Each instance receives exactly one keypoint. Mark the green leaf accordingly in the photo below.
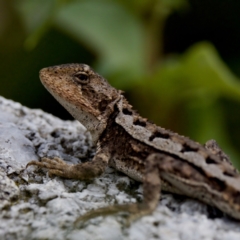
(36, 16)
(197, 73)
(34, 13)
(110, 31)
(203, 69)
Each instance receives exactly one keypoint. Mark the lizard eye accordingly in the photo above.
(81, 77)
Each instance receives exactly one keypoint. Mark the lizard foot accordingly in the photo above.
(81, 171)
(56, 166)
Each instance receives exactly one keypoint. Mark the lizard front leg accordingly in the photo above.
(82, 171)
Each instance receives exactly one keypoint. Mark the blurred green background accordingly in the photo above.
(177, 60)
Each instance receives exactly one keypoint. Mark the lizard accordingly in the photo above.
(159, 158)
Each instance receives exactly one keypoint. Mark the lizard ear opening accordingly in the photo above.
(81, 77)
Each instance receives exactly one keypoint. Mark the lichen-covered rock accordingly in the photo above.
(35, 206)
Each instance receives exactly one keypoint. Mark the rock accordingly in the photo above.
(35, 206)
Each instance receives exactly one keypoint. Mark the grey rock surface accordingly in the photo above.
(35, 206)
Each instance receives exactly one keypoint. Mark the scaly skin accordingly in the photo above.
(153, 155)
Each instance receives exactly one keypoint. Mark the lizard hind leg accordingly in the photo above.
(151, 190)
(151, 196)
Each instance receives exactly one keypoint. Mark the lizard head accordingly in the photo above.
(84, 93)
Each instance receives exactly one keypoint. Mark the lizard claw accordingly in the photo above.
(54, 163)
(56, 166)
